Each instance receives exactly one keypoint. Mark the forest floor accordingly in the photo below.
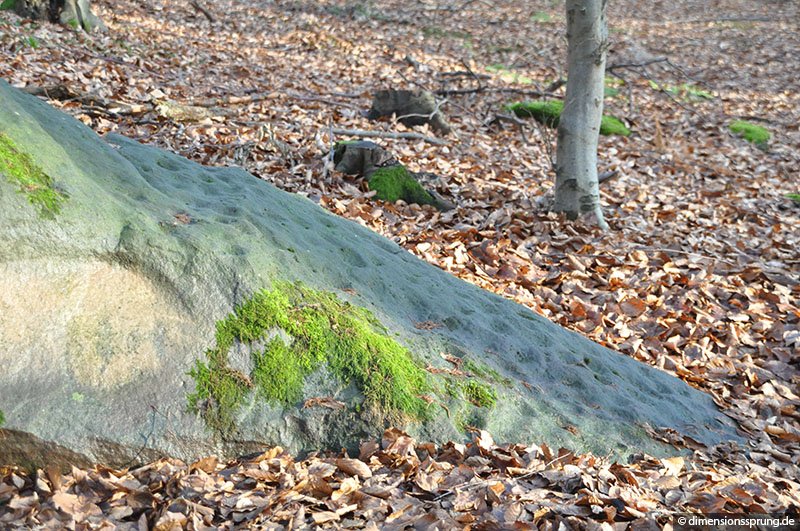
(698, 274)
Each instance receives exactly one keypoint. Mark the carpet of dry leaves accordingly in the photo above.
(698, 275)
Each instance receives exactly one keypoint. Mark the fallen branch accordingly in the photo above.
(463, 73)
(387, 134)
(716, 20)
(261, 96)
(203, 10)
(62, 92)
(607, 176)
(615, 66)
(524, 92)
(235, 100)
(428, 116)
(509, 118)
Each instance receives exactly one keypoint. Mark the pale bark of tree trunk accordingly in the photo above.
(75, 13)
(577, 191)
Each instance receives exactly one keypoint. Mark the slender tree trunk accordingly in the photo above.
(577, 190)
(74, 13)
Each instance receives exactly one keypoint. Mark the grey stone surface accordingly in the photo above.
(104, 309)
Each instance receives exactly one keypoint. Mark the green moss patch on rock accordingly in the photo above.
(549, 112)
(755, 134)
(396, 182)
(20, 169)
(480, 394)
(322, 331)
(2, 418)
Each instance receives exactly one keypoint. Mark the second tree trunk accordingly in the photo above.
(577, 190)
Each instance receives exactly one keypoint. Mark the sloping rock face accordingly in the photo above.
(153, 308)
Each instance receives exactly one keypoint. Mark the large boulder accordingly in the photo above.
(151, 306)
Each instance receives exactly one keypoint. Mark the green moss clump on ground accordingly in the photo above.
(753, 133)
(480, 394)
(794, 197)
(19, 169)
(396, 182)
(324, 331)
(2, 418)
(548, 113)
(611, 125)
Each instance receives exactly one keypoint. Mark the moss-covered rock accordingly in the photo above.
(549, 112)
(107, 308)
(755, 134)
(391, 180)
(392, 183)
(19, 169)
(360, 157)
(411, 108)
(322, 331)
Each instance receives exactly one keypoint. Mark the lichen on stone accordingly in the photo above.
(549, 112)
(324, 332)
(755, 134)
(396, 182)
(20, 169)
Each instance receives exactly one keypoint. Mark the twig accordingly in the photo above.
(311, 97)
(462, 73)
(555, 85)
(607, 176)
(614, 66)
(524, 92)
(473, 74)
(93, 102)
(388, 134)
(203, 10)
(429, 117)
(510, 118)
(252, 98)
(643, 68)
(752, 118)
(714, 20)
(424, 87)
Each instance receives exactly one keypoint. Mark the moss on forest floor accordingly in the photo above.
(755, 134)
(549, 112)
(20, 169)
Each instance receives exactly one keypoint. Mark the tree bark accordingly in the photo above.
(75, 13)
(577, 189)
